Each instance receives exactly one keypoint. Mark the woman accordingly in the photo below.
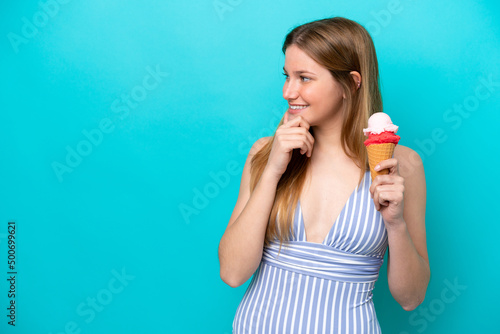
(312, 181)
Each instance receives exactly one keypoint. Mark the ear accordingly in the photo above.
(356, 77)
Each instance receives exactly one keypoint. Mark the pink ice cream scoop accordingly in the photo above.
(379, 122)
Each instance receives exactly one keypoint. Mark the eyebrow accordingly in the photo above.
(300, 72)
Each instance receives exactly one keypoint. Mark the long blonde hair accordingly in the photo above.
(341, 46)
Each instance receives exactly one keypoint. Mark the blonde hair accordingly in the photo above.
(341, 46)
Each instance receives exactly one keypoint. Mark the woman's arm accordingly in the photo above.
(241, 246)
(401, 197)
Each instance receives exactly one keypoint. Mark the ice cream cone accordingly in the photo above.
(377, 153)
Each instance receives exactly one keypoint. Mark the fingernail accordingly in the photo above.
(377, 167)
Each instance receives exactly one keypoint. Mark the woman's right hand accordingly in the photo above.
(290, 135)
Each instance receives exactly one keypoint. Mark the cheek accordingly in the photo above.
(334, 96)
(312, 95)
(321, 97)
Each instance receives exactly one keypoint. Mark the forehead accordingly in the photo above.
(296, 59)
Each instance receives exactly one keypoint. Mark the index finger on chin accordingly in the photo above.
(303, 123)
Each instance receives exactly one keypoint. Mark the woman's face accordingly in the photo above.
(309, 88)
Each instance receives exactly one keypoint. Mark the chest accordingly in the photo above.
(322, 200)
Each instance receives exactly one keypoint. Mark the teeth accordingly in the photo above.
(297, 107)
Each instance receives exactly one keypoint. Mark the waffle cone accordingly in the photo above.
(377, 153)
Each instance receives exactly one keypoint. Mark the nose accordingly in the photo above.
(290, 91)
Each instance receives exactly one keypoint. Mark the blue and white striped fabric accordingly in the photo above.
(319, 288)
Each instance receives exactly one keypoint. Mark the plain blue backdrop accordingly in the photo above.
(124, 127)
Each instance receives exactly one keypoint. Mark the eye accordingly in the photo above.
(305, 78)
(286, 75)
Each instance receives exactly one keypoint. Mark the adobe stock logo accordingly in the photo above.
(423, 315)
(460, 111)
(94, 137)
(30, 28)
(224, 6)
(96, 304)
(455, 116)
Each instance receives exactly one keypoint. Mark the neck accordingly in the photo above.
(327, 141)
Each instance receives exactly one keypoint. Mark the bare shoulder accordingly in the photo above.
(259, 144)
(410, 163)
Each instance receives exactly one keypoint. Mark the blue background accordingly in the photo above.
(122, 209)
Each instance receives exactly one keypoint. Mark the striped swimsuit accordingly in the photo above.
(319, 288)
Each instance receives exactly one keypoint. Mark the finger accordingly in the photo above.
(308, 147)
(308, 138)
(298, 121)
(380, 199)
(375, 200)
(390, 164)
(386, 164)
(285, 118)
(303, 123)
(311, 142)
(390, 188)
(381, 181)
(375, 183)
(381, 192)
(378, 180)
(387, 197)
(290, 145)
(305, 149)
(297, 141)
(297, 129)
(285, 132)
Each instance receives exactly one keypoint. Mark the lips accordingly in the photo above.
(296, 108)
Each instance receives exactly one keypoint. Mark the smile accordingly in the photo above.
(298, 107)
